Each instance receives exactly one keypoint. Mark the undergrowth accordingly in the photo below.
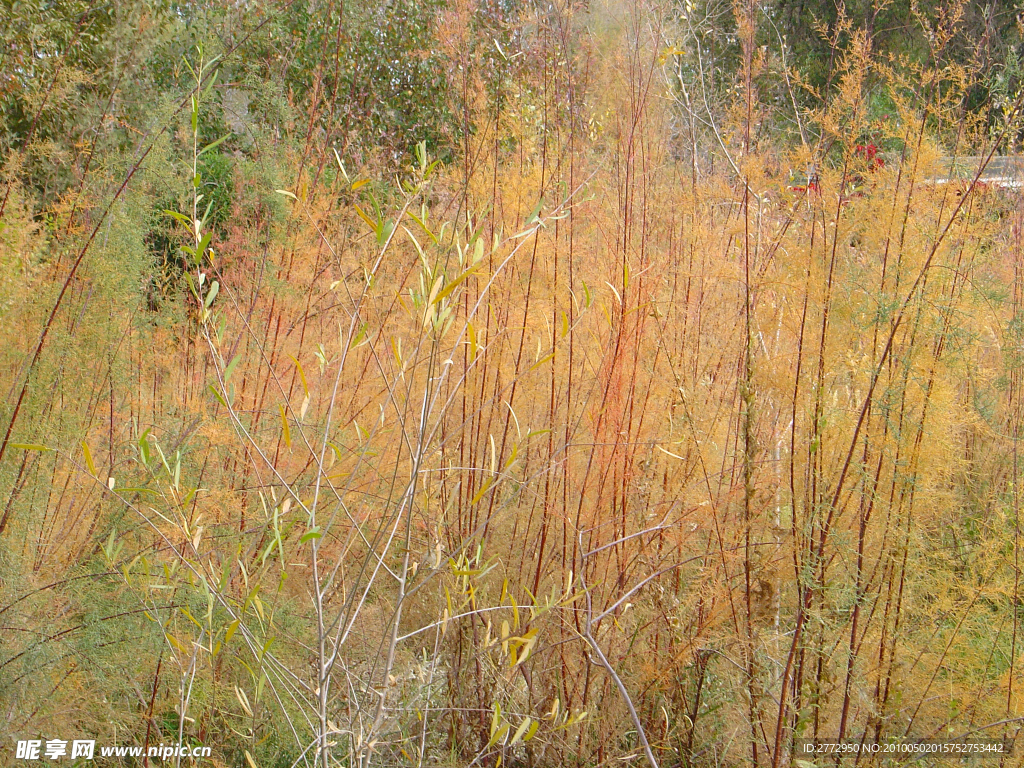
(635, 416)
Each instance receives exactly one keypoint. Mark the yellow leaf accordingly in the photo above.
(455, 283)
(367, 219)
(474, 347)
(284, 428)
(88, 459)
(243, 700)
(484, 489)
(302, 374)
(541, 362)
(232, 628)
(521, 730)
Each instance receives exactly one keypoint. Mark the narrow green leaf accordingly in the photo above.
(180, 217)
(206, 216)
(423, 226)
(358, 338)
(535, 214)
(217, 395)
(231, 366)
(209, 85)
(203, 245)
(311, 534)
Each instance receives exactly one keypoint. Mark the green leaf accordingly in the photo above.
(217, 395)
(423, 226)
(180, 217)
(211, 62)
(203, 245)
(534, 217)
(387, 227)
(498, 728)
(231, 366)
(313, 533)
(30, 447)
(213, 145)
(358, 338)
(202, 223)
(211, 294)
(211, 83)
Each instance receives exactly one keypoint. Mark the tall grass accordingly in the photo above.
(583, 448)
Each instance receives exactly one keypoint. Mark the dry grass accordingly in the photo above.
(457, 460)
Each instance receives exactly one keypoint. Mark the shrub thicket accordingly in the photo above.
(476, 384)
